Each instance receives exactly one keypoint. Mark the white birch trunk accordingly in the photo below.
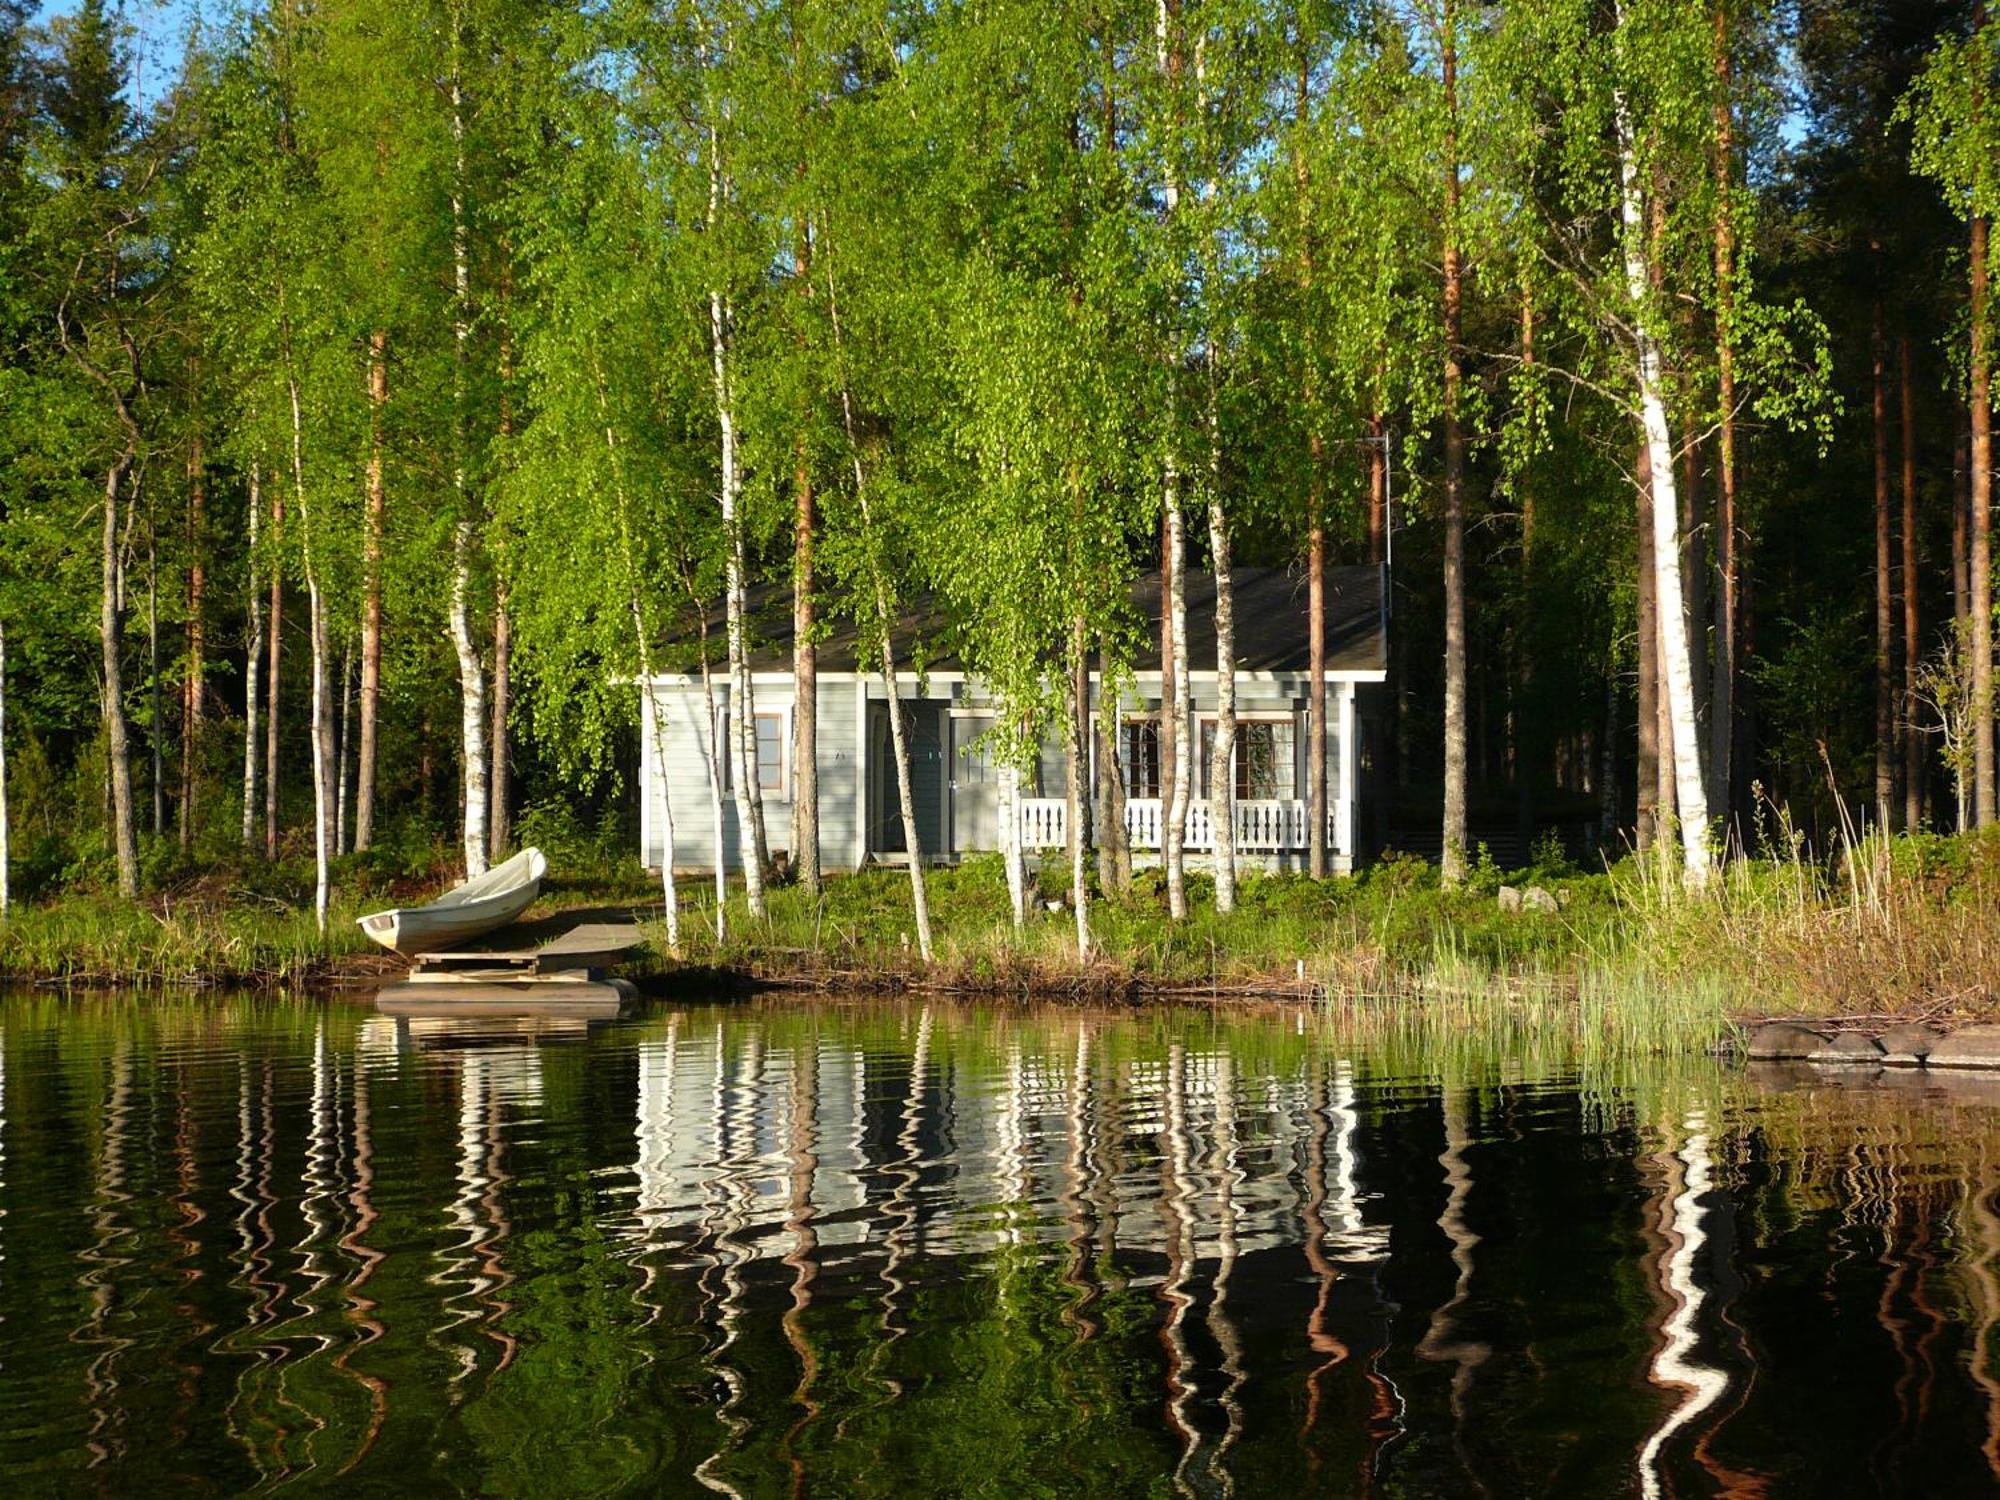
(471, 675)
(884, 621)
(901, 747)
(322, 729)
(1174, 694)
(252, 667)
(1010, 845)
(1076, 790)
(340, 824)
(649, 708)
(1689, 785)
(125, 838)
(1173, 833)
(472, 701)
(749, 787)
(712, 753)
(649, 715)
(1221, 763)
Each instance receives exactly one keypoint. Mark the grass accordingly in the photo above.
(1901, 926)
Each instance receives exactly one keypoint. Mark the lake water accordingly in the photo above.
(883, 1248)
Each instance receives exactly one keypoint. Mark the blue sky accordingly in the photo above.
(158, 25)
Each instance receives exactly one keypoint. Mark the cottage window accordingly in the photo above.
(1265, 759)
(1141, 756)
(770, 752)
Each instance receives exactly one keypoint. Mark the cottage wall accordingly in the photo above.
(844, 771)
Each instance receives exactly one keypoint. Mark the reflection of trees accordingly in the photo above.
(1442, 1340)
(801, 1165)
(107, 1225)
(1674, 1365)
(779, 1274)
(1982, 1222)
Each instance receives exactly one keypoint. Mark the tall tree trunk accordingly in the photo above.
(124, 833)
(1178, 708)
(1454, 856)
(743, 704)
(1221, 779)
(1316, 691)
(1315, 496)
(472, 702)
(1012, 858)
(471, 672)
(271, 715)
(1114, 849)
(156, 735)
(371, 590)
(1913, 735)
(1530, 742)
(1980, 523)
(1885, 591)
(193, 682)
(885, 630)
(322, 707)
(1961, 537)
(1722, 684)
(1647, 770)
(253, 661)
(649, 707)
(1678, 673)
(1175, 688)
(805, 677)
(343, 733)
(715, 753)
(1076, 792)
(499, 817)
(5, 853)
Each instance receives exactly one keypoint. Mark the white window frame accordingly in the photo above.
(726, 740)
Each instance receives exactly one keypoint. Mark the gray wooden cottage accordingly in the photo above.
(956, 789)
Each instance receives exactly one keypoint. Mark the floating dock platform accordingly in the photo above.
(555, 965)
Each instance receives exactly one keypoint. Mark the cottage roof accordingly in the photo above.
(1270, 625)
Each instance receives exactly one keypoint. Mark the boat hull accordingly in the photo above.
(471, 911)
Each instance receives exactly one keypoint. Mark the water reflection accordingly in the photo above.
(891, 1249)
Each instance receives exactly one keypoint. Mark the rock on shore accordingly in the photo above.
(1909, 1045)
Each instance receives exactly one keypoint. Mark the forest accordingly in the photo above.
(386, 383)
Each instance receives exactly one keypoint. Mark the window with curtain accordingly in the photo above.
(1140, 758)
(1265, 759)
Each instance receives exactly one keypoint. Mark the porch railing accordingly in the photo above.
(1278, 825)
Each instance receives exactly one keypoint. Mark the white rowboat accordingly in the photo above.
(464, 912)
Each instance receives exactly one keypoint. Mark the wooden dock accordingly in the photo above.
(568, 943)
(550, 966)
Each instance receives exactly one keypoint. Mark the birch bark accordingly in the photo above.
(743, 704)
(272, 717)
(471, 672)
(649, 708)
(1455, 833)
(253, 660)
(322, 728)
(371, 591)
(1678, 673)
(885, 638)
(125, 837)
(1175, 688)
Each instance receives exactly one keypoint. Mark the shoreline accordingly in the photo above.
(1895, 929)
